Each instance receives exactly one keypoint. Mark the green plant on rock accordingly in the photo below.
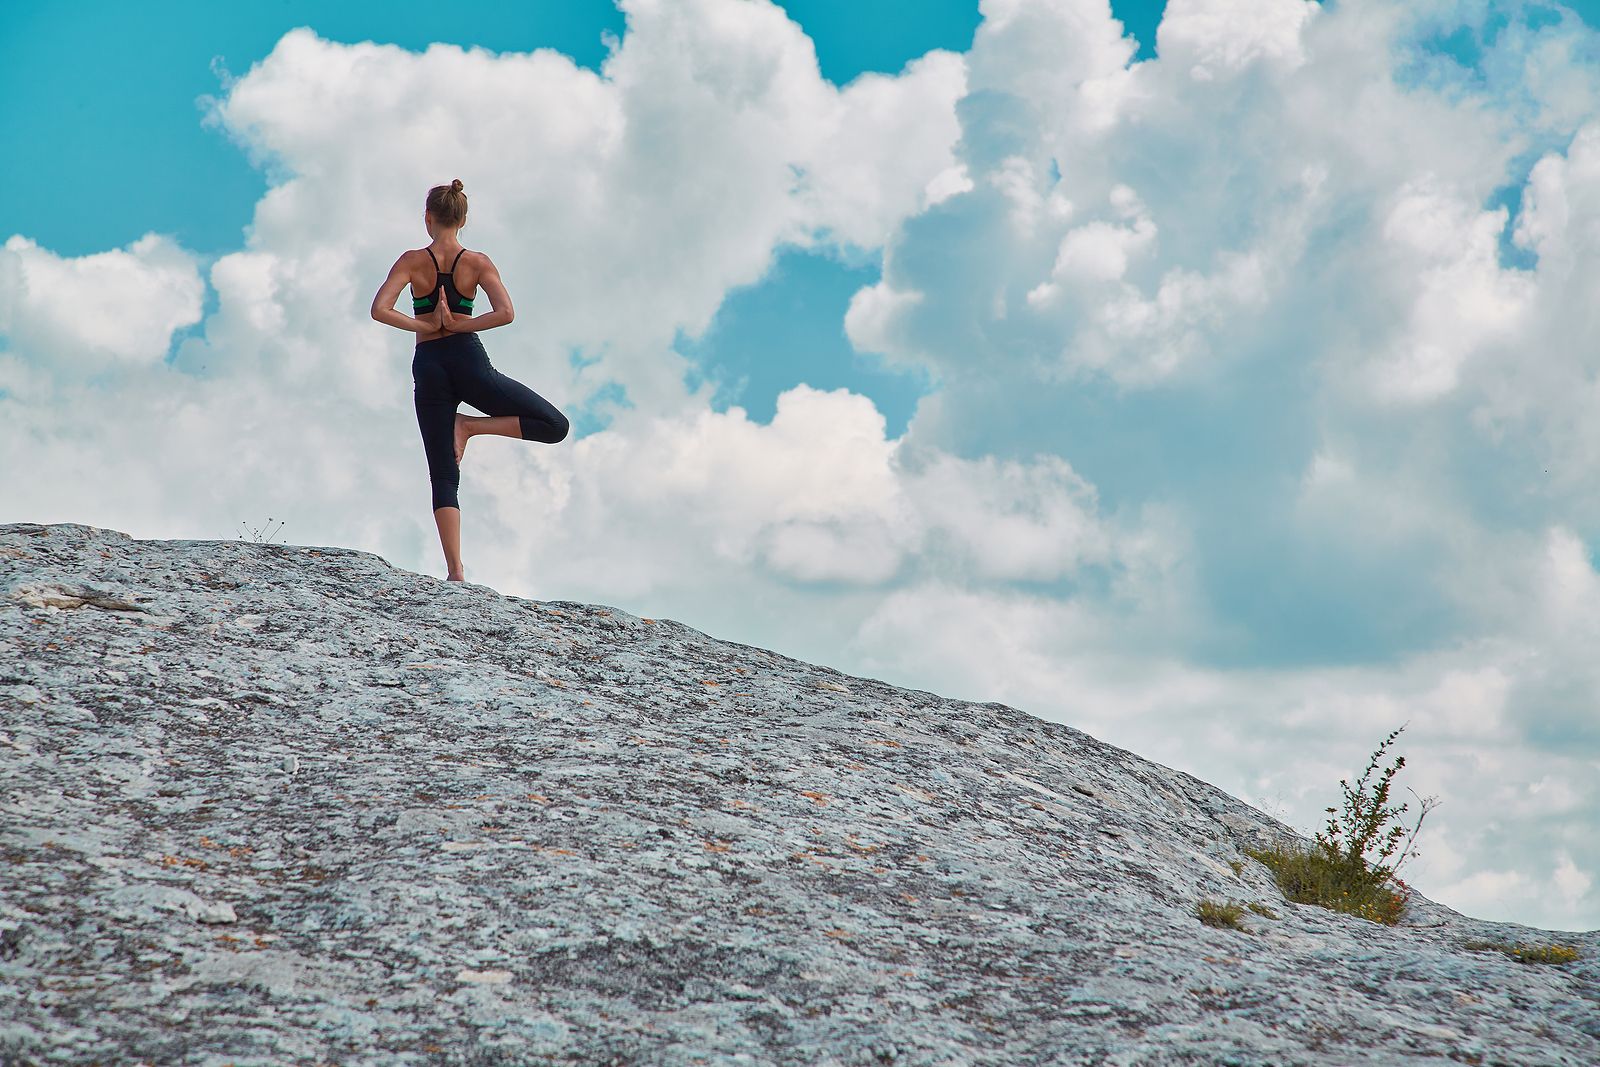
(1556, 953)
(1347, 868)
(1217, 913)
(1361, 828)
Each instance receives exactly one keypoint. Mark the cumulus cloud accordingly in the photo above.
(620, 207)
(1445, 251)
(1214, 37)
(100, 311)
(819, 494)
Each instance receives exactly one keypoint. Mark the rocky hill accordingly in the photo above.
(269, 804)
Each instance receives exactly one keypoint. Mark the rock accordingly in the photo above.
(483, 977)
(648, 844)
(68, 595)
(213, 913)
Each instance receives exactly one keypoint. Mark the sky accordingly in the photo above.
(1216, 376)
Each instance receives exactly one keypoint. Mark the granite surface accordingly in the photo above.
(268, 803)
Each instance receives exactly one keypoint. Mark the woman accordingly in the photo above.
(450, 365)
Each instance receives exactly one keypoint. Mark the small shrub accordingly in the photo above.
(1557, 953)
(1217, 913)
(1307, 876)
(1238, 867)
(1262, 910)
(1337, 872)
(1363, 824)
(262, 533)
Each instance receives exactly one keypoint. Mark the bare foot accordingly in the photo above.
(456, 576)
(461, 436)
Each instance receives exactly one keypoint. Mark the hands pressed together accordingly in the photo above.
(442, 318)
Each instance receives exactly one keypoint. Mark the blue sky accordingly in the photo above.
(1233, 402)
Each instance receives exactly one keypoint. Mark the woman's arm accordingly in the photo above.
(489, 282)
(383, 308)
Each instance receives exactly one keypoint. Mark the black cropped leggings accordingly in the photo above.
(453, 369)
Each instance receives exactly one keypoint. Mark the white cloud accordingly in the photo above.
(1572, 883)
(1219, 37)
(817, 494)
(1099, 251)
(873, 309)
(1015, 520)
(99, 311)
(620, 207)
(945, 184)
(1066, 55)
(885, 151)
(1447, 252)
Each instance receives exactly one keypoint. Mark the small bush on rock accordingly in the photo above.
(1557, 953)
(1307, 877)
(1216, 913)
(1347, 869)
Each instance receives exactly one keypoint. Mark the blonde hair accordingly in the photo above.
(448, 204)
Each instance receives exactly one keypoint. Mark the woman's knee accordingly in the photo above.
(549, 429)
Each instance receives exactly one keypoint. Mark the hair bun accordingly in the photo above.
(456, 185)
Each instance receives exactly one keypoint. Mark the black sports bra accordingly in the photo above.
(459, 304)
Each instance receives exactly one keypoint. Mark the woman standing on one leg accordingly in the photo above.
(450, 365)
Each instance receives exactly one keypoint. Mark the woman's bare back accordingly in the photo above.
(425, 280)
